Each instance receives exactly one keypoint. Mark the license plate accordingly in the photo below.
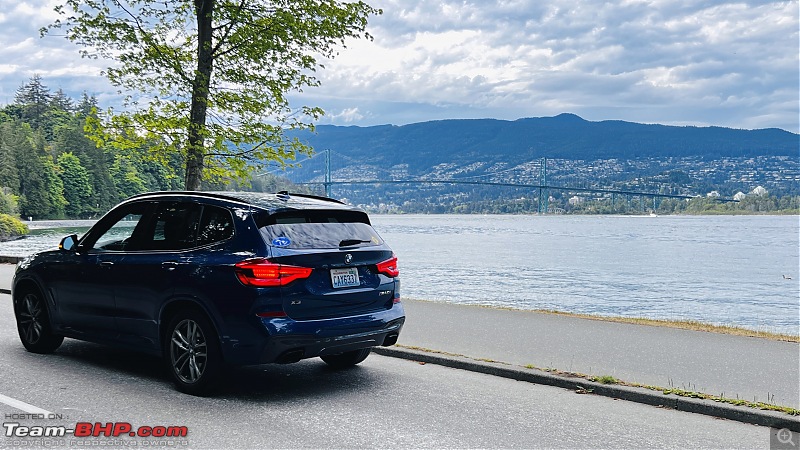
(345, 277)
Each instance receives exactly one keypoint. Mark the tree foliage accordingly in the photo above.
(34, 101)
(77, 186)
(55, 171)
(11, 227)
(215, 74)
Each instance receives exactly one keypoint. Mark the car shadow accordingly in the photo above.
(263, 383)
(307, 378)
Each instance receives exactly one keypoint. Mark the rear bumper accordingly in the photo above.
(290, 340)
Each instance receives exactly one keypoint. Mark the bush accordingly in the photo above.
(8, 202)
(11, 227)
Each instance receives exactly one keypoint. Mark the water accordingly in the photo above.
(726, 270)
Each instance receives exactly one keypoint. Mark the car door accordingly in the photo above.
(84, 284)
(145, 278)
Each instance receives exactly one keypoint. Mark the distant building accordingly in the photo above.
(739, 196)
(575, 200)
(760, 191)
(714, 194)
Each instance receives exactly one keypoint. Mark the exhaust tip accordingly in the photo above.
(390, 339)
(290, 356)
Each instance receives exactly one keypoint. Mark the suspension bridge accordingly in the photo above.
(330, 169)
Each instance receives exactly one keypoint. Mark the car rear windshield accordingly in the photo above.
(318, 229)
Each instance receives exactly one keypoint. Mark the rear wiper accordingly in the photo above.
(349, 242)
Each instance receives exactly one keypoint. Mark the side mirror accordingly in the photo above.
(69, 242)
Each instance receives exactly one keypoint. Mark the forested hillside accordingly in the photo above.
(566, 136)
(50, 169)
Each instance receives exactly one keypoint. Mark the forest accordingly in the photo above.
(51, 169)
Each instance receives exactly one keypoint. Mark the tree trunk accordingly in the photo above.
(195, 151)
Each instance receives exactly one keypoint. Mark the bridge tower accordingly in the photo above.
(544, 194)
(327, 182)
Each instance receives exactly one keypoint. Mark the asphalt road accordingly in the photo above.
(384, 402)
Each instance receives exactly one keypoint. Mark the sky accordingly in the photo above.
(675, 62)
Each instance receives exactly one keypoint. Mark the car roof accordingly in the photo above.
(278, 202)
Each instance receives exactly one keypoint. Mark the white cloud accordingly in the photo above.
(705, 62)
(347, 115)
(667, 61)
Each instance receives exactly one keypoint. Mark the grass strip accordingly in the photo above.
(608, 379)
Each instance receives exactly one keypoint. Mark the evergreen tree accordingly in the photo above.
(34, 100)
(60, 113)
(87, 106)
(9, 177)
(126, 178)
(71, 139)
(60, 101)
(55, 189)
(77, 186)
(33, 200)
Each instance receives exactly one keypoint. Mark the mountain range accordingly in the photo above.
(566, 136)
(686, 160)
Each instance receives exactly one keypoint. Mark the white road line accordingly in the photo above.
(14, 403)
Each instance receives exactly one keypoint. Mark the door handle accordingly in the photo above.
(106, 264)
(169, 265)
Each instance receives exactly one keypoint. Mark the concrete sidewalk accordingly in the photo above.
(717, 364)
(752, 369)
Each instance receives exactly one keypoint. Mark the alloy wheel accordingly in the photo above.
(188, 351)
(30, 318)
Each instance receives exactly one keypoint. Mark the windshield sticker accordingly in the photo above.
(281, 242)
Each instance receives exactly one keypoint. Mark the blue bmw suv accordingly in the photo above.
(207, 279)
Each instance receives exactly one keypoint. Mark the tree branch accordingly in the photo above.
(229, 27)
(242, 154)
(148, 40)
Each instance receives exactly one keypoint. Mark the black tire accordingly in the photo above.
(33, 323)
(192, 353)
(346, 359)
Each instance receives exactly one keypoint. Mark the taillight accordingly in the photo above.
(389, 267)
(271, 314)
(265, 273)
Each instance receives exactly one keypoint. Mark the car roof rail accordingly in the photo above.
(208, 194)
(282, 195)
(285, 195)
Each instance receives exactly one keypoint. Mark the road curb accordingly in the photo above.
(10, 259)
(4, 259)
(711, 408)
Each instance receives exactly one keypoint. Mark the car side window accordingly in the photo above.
(174, 226)
(122, 234)
(216, 225)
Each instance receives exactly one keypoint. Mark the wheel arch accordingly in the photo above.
(27, 285)
(173, 307)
